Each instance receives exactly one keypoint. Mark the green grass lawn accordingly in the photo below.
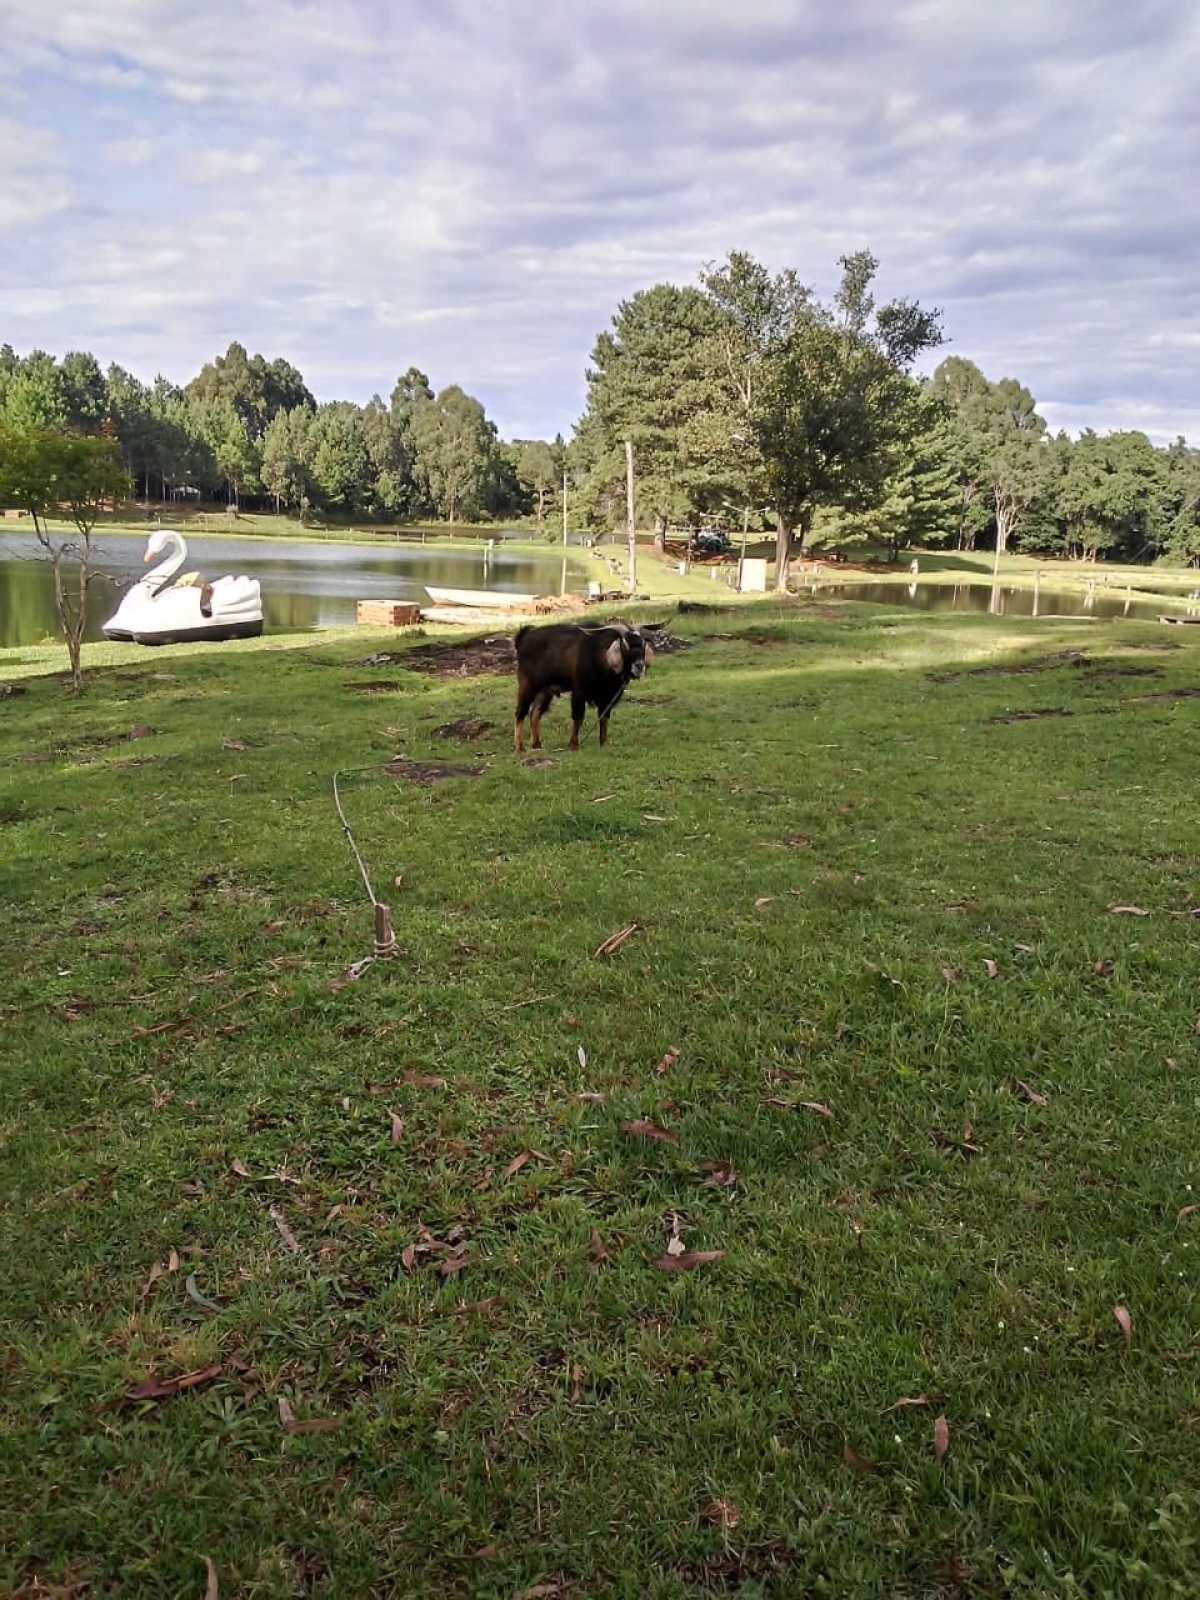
(330, 1281)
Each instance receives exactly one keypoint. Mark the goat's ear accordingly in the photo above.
(615, 655)
(649, 652)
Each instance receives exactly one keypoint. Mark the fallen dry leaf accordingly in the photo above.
(720, 1175)
(765, 899)
(949, 975)
(234, 744)
(690, 1258)
(1032, 1095)
(517, 1162)
(1127, 911)
(858, 1463)
(397, 1127)
(239, 1166)
(454, 1262)
(668, 1060)
(285, 1233)
(577, 1377)
(156, 1272)
(156, 1388)
(615, 940)
(722, 1513)
(408, 1257)
(941, 1437)
(479, 1305)
(1102, 969)
(992, 968)
(815, 1105)
(423, 1080)
(1124, 1322)
(173, 1261)
(311, 1425)
(590, 1098)
(646, 1129)
(908, 1400)
(547, 1591)
(1184, 1211)
(212, 1589)
(581, 1057)
(596, 1252)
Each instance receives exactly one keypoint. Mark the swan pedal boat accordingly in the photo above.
(158, 610)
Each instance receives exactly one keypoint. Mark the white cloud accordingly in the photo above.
(360, 186)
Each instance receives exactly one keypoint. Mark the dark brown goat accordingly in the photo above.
(591, 664)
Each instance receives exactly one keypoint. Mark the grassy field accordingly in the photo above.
(835, 1233)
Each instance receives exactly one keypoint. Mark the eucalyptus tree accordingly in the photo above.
(339, 465)
(1008, 454)
(391, 490)
(286, 455)
(257, 389)
(455, 445)
(537, 470)
(820, 394)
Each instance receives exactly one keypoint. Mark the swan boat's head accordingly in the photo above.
(160, 539)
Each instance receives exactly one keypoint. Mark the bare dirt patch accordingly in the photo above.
(1031, 716)
(1187, 692)
(1017, 669)
(465, 728)
(472, 658)
(424, 773)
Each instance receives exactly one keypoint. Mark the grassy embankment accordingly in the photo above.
(935, 1100)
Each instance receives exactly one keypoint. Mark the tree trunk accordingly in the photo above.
(783, 550)
(787, 542)
(660, 531)
(72, 621)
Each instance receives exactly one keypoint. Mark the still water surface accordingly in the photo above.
(1102, 602)
(303, 585)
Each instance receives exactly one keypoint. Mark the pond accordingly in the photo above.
(1102, 602)
(303, 585)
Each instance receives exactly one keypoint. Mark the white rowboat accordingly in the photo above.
(490, 599)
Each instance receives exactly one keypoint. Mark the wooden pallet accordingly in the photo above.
(387, 613)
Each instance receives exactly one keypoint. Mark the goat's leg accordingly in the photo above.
(578, 711)
(524, 700)
(540, 709)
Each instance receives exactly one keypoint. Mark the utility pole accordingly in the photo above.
(564, 508)
(631, 526)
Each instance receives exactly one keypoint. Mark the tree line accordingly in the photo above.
(249, 430)
(747, 399)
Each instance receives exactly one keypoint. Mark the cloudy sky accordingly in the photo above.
(365, 185)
